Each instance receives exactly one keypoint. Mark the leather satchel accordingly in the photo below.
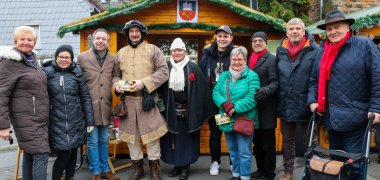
(327, 166)
(244, 126)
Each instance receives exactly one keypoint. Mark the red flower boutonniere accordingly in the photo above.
(191, 76)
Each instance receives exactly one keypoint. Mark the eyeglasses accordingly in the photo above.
(258, 41)
(64, 57)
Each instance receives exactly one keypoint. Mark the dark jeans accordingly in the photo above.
(288, 130)
(66, 160)
(353, 141)
(265, 151)
(377, 139)
(34, 166)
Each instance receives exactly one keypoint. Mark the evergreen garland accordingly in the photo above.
(94, 21)
(173, 26)
(367, 21)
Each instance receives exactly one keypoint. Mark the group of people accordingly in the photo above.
(63, 104)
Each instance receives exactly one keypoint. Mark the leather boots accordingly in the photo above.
(155, 169)
(139, 170)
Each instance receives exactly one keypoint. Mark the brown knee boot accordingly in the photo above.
(155, 169)
(139, 170)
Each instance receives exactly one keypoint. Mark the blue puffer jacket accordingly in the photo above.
(242, 93)
(294, 82)
(70, 106)
(354, 86)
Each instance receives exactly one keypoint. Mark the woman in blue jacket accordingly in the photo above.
(70, 110)
(238, 102)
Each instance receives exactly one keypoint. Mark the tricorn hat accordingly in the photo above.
(335, 16)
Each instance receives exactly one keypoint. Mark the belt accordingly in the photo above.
(134, 94)
(181, 110)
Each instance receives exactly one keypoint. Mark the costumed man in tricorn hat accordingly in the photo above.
(144, 67)
(345, 85)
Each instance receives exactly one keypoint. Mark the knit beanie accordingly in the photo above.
(261, 35)
(66, 48)
(178, 44)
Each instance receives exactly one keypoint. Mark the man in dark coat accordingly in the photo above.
(215, 60)
(295, 58)
(264, 64)
(345, 86)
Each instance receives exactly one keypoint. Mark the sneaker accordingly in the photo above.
(214, 168)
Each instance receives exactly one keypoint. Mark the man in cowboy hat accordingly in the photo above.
(345, 85)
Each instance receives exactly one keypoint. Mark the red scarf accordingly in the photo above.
(328, 58)
(294, 51)
(255, 57)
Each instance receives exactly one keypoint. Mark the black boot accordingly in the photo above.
(175, 171)
(184, 172)
(139, 170)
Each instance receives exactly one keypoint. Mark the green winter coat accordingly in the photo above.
(242, 93)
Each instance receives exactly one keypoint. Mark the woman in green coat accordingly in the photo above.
(242, 84)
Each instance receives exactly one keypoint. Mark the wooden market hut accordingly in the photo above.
(160, 16)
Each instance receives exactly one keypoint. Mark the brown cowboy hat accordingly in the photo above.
(335, 16)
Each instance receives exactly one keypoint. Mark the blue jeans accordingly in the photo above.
(34, 166)
(97, 150)
(240, 149)
(353, 141)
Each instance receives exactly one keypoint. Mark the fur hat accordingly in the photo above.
(178, 44)
(261, 35)
(66, 48)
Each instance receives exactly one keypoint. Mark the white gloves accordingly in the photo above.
(90, 129)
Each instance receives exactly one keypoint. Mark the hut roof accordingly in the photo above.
(95, 20)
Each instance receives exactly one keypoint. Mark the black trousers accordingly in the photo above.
(215, 140)
(66, 160)
(265, 151)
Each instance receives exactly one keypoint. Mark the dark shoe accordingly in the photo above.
(69, 178)
(96, 177)
(235, 178)
(109, 175)
(184, 173)
(378, 160)
(139, 170)
(154, 169)
(175, 171)
(257, 175)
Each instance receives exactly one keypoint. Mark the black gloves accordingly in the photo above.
(260, 95)
(147, 101)
(228, 106)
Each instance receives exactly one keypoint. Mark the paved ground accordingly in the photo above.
(198, 171)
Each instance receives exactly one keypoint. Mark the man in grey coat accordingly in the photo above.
(97, 65)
